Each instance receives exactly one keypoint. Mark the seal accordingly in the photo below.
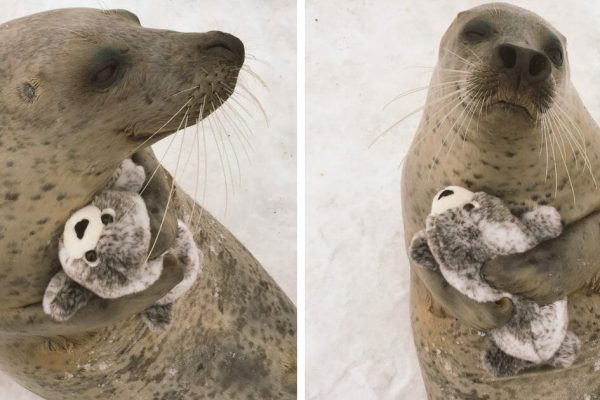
(83, 89)
(503, 117)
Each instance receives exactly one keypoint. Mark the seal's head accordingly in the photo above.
(509, 61)
(80, 91)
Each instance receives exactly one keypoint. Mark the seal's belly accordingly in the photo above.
(450, 357)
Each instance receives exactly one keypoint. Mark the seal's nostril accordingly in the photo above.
(508, 55)
(538, 64)
(224, 45)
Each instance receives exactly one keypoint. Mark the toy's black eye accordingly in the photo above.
(107, 219)
(468, 206)
(91, 256)
(555, 55)
(446, 193)
(106, 74)
(80, 228)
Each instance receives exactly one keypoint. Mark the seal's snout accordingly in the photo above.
(523, 65)
(220, 44)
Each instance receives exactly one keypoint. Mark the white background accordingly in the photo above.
(359, 54)
(261, 212)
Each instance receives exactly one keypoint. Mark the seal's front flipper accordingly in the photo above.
(158, 317)
(550, 271)
(481, 316)
(419, 251)
(499, 364)
(63, 297)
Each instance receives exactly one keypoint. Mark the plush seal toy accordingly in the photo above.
(104, 251)
(466, 229)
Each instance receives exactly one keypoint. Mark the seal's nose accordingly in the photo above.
(524, 64)
(221, 44)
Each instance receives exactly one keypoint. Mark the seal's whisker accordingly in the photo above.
(225, 131)
(236, 128)
(564, 120)
(545, 138)
(244, 124)
(415, 111)
(256, 101)
(421, 88)
(567, 135)
(246, 68)
(465, 61)
(165, 124)
(171, 190)
(452, 133)
(197, 148)
(212, 131)
(581, 145)
(221, 131)
(562, 152)
(184, 90)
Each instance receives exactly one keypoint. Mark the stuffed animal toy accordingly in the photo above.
(104, 251)
(466, 229)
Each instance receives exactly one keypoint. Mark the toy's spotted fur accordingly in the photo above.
(121, 252)
(460, 239)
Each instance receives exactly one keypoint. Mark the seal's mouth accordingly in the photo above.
(512, 108)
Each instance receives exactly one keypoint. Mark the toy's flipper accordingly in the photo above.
(158, 317)
(419, 251)
(63, 297)
(500, 364)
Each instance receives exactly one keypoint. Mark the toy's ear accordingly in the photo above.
(419, 252)
(450, 197)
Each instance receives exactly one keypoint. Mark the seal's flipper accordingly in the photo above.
(63, 297)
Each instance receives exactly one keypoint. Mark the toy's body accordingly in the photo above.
(104, 251)
(463, 231)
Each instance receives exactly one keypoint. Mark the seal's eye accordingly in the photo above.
(555, 55)
(91, 258)
(476, 31)
(105, 75)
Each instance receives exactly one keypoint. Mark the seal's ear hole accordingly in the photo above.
(80, 228)
(28, 91)
(127, 14)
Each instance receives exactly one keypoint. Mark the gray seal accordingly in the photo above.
(503, 117)
(82, 90)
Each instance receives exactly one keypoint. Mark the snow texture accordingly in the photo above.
(261, 211)
(360, 55)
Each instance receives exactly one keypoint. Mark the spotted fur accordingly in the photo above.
(122, 251)
(461, 239)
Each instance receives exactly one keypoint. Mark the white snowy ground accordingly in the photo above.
(261, 211)
(359, 343)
